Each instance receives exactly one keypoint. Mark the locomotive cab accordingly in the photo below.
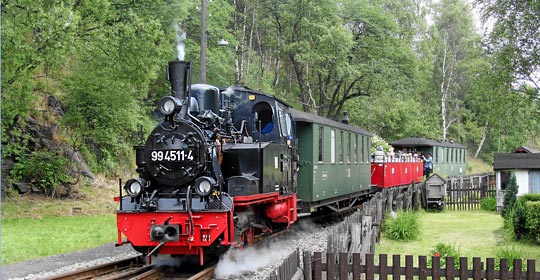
(263, 164)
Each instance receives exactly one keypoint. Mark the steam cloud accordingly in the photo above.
(180, 46)
(236, 263)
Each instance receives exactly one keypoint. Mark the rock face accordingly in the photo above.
(39, 136)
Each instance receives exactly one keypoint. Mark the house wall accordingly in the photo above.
(522, 179)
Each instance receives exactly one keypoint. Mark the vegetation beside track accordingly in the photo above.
(476, 233)
(34, 226)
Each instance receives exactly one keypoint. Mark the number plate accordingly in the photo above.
(171, 155)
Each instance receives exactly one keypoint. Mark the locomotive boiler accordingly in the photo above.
(217, 171)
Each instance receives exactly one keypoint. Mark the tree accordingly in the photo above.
(455, 37)
(515, 28)
(510, 196)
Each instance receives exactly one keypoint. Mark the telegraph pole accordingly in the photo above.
(202, 78)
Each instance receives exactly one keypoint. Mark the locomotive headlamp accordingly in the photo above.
(169, 105)
(134, 187)
(204, 185)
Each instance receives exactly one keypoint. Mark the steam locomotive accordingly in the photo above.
(220, 169)
(227, 165)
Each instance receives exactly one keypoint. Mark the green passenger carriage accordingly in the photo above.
(449, 158)
(334, 163)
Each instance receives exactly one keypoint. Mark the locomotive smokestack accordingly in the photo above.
(345, 118)
(179, 75)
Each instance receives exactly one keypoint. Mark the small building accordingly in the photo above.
(524, 163)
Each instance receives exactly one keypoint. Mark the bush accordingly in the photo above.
(530, 197)
(510, 253)
(489, 203)
(510, 195)
(446, 250)
(532, 222)
(402, 227)
(45, 169)
(519, 217)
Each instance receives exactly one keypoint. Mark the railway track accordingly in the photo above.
(133, 269)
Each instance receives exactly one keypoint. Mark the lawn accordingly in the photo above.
(31, 238)
(476, 233)
(34, 226)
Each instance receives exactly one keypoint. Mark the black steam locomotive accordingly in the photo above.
(220, 169)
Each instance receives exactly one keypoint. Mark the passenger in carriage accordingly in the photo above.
(428, 165)
(391, 155)
(379, 155)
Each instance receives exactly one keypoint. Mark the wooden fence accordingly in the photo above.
(359, 232)
(465, 193)
(318, 267)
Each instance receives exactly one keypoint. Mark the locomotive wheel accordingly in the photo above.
(248, 237)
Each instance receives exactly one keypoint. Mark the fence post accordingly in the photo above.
(503, 269)
(531, 266)
(343, 266)
(366, 237)
(490, 268)
(463, 268)
(356, 266)
(436, 267)
(307, 265)
(396, 266)
(517, 268)
(408, 267)
(450, 270)
(477, 268)
(383, 266)
(330, 265)
(317, 266)
(422, 267)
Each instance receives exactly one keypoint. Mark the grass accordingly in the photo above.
(477, 166)
(34, 226)
(30, 238)
(476, 234)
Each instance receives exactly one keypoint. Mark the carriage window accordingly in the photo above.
(349, 144)
(321, 143)
(355, 155)
(332, 146)
(342, 146)
(363, 149)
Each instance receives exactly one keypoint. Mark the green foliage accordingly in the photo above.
(446, 250)
(45, 169)
(377, 141)
(510, 195)
(533, 219)
(519, 217)
(509, 253)
(403, 227)
(530, 197)
(488, 203)
(511, 35)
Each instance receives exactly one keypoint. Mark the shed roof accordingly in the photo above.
(524, 149)
(415, 142)
(516, 161)
(300, 116)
